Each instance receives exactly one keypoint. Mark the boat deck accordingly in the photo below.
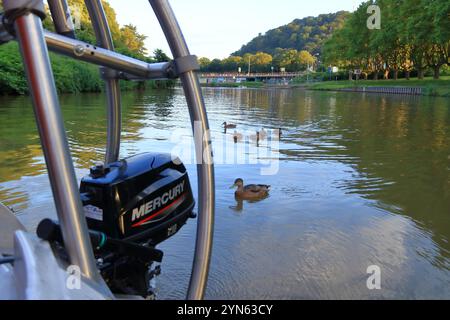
(8, 225)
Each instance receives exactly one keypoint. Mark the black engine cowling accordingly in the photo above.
(130, 206)
(140, 201)
(145, 198)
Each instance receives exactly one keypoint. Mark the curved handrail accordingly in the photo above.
(104, 40)
(205, 168)
(61, 17)
(56, 149)
(30, 35)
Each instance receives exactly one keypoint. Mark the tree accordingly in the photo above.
(292, 60)
(301, 34)
(160, 56)
(132, 40)
(232, 63)
(71, 75)
(438, 11)
(305, 60)
(414, 34)
(215, 65)
(204, 63)
(335, 51)
(262, 62)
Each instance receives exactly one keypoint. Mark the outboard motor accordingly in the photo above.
(145, 198)
(131, 206)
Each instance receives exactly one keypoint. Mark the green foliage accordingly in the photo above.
(12, 77)
(204, 63)
(160, 56)
(292, 47)
(289, 59)
(70, 76)
(319, 77)
(292, 60)
(301, 34)
(73, 76)
(414, 35)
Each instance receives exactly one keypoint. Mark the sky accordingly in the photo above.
(217, 28)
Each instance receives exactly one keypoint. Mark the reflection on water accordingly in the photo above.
(363, 180)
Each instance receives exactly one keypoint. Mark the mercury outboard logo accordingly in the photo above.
(154, 206)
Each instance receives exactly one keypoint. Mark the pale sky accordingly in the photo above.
(217, 28)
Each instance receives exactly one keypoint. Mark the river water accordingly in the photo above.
(357, 181)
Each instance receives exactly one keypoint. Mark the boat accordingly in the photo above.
(102, 248)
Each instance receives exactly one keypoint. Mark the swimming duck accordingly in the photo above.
(277, 133)
(251, 191)
(263, 134)
(229, 125)
(237, 136)
(255, 138)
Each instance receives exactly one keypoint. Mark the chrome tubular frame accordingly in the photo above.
(129, 68)
(32, 40)
(104, 39)
(60, 168)
(62, 18)
(204, 155)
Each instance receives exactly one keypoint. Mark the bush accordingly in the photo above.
(71, 76)
(445, 71)
(12, 76)
(322, 76)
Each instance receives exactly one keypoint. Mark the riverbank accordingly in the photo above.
(429, 86)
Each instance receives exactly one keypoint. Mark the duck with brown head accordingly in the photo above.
(229, 125)
(251, 191)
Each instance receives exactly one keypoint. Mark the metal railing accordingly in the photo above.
(23, 18)
(251, 75)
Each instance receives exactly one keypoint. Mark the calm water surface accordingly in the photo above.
(363, 180)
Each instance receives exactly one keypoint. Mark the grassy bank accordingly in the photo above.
(430, 86)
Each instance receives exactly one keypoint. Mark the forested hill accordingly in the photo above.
(301, 34)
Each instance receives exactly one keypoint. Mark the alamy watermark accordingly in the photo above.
(230, 148)
(374, 280)
(374, 21)
(73, 281)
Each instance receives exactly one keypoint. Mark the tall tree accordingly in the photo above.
(160, 56)
(132, 40)
(204, 63)
(305, 60)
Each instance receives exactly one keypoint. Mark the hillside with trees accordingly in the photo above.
(306, 34)
(414, 37)
(293, 47)
(73, 76)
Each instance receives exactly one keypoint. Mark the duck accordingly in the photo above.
(229, 125)
(237, 136)
(263, 134)
(251, 191)
(277, 133)
(255, 138)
